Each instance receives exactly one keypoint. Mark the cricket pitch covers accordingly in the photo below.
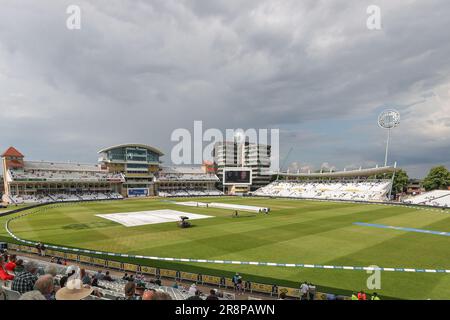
(133, 219)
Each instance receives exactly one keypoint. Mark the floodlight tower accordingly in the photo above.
(388, 119)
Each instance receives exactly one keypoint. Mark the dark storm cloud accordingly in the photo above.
(139, 69)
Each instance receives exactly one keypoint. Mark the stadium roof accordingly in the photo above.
(182, 170)
(12, 152)
(343, 174)
(159, 152)
(61, 166)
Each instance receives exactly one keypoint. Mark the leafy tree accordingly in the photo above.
(437, 178)
(401, 180)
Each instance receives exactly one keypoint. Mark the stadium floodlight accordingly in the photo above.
(388, 119)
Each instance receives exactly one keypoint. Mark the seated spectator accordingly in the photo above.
(46, 287)
(19, 267)
(140, 289)
(107, 277)
(158, 282)
(4, 275)
(130, 292)
(212, 295)
(282, 296)
(99, 275)
(51, 270)
(156, 295)
(74, 290)
(126, 277)
(94, 282)
(196, 296)
(193, 289)
(11, 265)
(362, 295)
(63, 281)
(32, 295)
(85, 277)
(24, 281)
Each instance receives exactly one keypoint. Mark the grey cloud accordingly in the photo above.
(139, 69)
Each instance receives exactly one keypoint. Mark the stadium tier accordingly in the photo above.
(186, 182)
(437, 198)
(40, 181)
(330, 190)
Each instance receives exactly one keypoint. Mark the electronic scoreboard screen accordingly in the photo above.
(237, 177)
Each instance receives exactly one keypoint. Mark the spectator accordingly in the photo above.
(4, 275)
(74, 290)
(51, 270)
(311, 291)
(46, 287)
(375, 296)
(240, 287)
(25, 280)
(94, 282)
(304, 289)
(38, 248)
(85, 277)
(148, 294)
(43, 248)
(2, 294)
(130, 291)
(19, 267)
(193, 289)
(159, 295)
(63, 281)
(11, 265)
(362, 295)
(73, 271)
(235, 280)
(99, 275)
(32, 295)
(212, 295)
(354, 296)
(107, 277)
(196, 296)
(126, 277)
(282, 296)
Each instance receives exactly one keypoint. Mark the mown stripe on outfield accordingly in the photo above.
(382, 226)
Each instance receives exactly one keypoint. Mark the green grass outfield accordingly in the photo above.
(295, 231)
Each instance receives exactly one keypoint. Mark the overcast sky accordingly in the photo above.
(137, 70)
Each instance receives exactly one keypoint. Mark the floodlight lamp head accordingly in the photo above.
(389, 119)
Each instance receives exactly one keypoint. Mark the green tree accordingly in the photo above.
(401, 180)
(437, 178)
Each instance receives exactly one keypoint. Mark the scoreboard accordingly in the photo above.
(237, 176)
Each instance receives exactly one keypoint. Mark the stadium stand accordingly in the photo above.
(43, 181)
(437, 198)
(106, 289)
(62, 197)
(368, 190)
(186, 182)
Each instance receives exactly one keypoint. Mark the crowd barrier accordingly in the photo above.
(158, 273)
